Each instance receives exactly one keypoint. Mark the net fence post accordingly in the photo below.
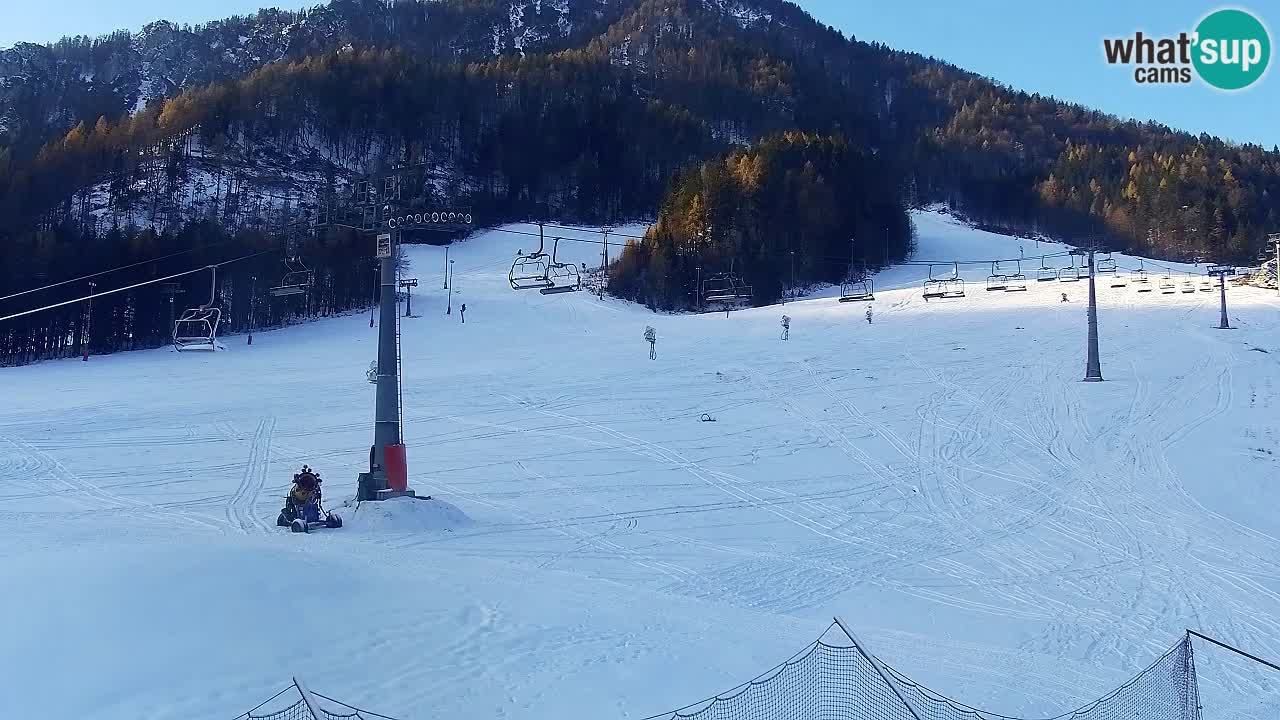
(1233, 649)
(876, 664)
(307, 699)
(1192, 708)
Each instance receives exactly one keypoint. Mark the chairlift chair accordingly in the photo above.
(1119, 281)
(1071, 273)
(1046, 273)
(297, 279)
(1106, 265)
(1140, 278)
(530, 271)
(1206, 285)
(1188, 286)
(1017, 282)
(562, 277)
(997, 280)
(197, 328)
(725, 289)
(944, 287)
(857, 290)
(717, 288)
(1166, 285)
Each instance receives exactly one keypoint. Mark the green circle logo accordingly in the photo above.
(1232, 49)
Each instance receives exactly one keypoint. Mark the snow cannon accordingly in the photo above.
(303, 510)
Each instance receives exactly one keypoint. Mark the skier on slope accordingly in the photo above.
(463, 313)
(868, 314)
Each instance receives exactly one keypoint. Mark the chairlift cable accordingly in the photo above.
(832, 258)
(131, 287)
(116, 269)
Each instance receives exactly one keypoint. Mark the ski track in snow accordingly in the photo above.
(241, 509)
(1001, 531)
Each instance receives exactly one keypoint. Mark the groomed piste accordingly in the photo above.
(987, 524)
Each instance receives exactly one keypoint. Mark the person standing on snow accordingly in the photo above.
(463, 313)
(868, 314)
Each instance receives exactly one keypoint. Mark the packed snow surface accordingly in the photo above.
(939, 478)
(424, 514)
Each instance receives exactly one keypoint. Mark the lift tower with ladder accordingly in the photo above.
(379, 206)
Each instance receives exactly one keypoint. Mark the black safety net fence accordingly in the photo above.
(837, 678)
(839, 681)
(295, 702)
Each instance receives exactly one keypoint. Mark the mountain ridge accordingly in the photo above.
(743, 69)
(751, 130)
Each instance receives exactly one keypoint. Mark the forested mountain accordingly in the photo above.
(792, 209)
(588, 110)
(46, 90)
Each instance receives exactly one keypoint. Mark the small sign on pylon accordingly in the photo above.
(384, 245)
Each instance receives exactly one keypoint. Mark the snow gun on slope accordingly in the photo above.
(303, 510)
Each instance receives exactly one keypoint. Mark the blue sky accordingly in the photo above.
(1052, 48)
(1055, 48)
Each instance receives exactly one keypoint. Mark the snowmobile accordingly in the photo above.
(304, 516)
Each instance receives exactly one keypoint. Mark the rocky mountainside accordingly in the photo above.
(586, 107)
(754, 133)
(46, 89)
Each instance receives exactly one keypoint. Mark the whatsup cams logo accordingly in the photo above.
(1229, 50)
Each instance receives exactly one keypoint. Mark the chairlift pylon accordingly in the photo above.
(562, 277)
(197, 328)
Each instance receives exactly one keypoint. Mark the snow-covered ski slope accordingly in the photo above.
(941, 479)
